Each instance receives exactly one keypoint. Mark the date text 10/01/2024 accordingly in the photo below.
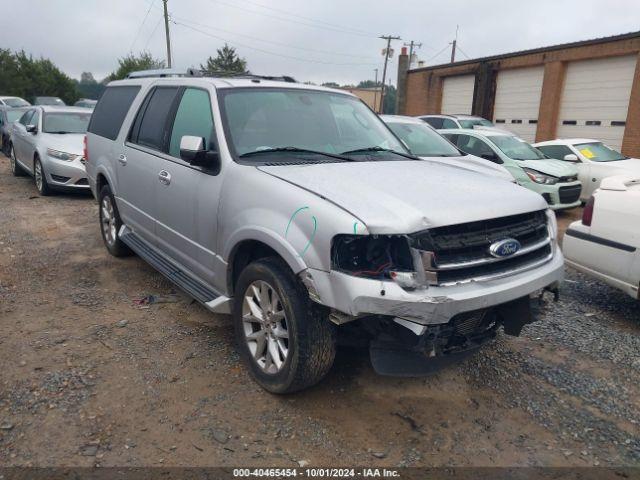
(316, 472)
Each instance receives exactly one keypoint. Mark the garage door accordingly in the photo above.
(457, 94)
(595, 99)
(517, 100)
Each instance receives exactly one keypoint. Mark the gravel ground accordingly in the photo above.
(92, 378)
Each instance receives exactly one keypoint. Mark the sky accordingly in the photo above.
(312, 40)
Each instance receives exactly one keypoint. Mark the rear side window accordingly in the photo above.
(555, 151)
(447, 123)
(193, 117)
(435, 122)
(150, 126)
(24, 120)
(110, 111)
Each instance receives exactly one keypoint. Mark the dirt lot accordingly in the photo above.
(89, 377)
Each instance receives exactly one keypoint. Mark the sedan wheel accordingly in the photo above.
(265, 327)
(15, 168)
(38, 176)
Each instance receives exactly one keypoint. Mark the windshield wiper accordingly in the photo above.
(295, 150)
(60, 132)
(379, 149)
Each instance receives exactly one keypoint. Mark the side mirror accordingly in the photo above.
(490, 156)
(571, 157)
(193, 150)
(32, 129)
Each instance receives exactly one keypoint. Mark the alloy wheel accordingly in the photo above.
(108, 220)
(38, 176)
(12, 160)
(265, 326)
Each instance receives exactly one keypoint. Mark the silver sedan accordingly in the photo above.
(47, 143)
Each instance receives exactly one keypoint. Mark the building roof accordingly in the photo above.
(562, 46)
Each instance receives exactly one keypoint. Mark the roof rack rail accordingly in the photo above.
(194, 72)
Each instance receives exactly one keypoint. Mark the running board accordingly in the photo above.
(202, 293)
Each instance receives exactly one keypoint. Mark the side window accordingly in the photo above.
(435, 122)
(24, 120)
(475, 146)
(35, 118)
(555, 151)
(448, 123)
(193, 117)
(150, 126)
(453, 138)
(111, 109)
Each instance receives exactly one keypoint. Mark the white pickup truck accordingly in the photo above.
(606, 242)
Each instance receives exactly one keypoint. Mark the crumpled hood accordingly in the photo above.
(67, 142)
(556, 168)
(409, 196)
(475, 164)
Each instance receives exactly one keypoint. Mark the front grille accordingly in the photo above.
(570, 194)
(459, 253)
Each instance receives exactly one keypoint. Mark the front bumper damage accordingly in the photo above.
(414, 332)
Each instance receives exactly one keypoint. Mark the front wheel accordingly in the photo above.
(40, 178)
(286, 340)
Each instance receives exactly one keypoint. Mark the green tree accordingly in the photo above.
(331, 85)
(23, 76)
(88, 87)
(226, 62)
(132, 63)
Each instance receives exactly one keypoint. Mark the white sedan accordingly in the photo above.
(594, 160)
(606, 242)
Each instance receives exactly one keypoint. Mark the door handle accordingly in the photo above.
(164, 177)
(122, 158)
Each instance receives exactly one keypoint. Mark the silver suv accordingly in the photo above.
(295, 209)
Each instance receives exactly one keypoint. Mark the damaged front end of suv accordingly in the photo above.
(433, 297)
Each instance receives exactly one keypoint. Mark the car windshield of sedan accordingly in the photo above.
(16, 102)
(481, 122)
(516, 148)
(599, 152)
(277, 123)
(65, 122)
(423, 141)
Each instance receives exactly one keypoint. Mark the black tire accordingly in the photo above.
(116, 247)
(16, 169)
(42, 186)
(311, 336)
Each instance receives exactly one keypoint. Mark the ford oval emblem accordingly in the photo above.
(504, 248)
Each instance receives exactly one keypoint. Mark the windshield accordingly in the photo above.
(470, 123)
(516, 148)
(16, 102)
(68, 122)
(49, 101)
(599, 152)
(423, 141)
(14, 115)
(263, 119)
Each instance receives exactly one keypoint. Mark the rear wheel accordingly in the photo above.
(110, 224)
(15, 168)
(286, 340)
(40, 178)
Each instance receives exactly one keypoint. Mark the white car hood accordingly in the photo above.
(475, 164)
(630, 165)
(409, 196)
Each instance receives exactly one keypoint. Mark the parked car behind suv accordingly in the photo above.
(8, 115)
(294, 208)
(13, 102)
(46, 143)
(555, 180)
(423, 141)
(52, 101)
(443, 122)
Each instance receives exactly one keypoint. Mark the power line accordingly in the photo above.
(325, 52)
(356, 30)
(266, 51)
(153, 32)
(439, 53)
(291, 20)
(141, 25)
(462, 51)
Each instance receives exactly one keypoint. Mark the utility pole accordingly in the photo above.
(166, 28)
(453, 46)
(388, 38)
(375, 90)
(411, 46)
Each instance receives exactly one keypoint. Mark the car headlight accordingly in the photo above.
(374, 256)
(539, 177)
(69, 157)
(553, 224)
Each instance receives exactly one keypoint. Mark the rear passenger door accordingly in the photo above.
(140, 161)
(187, 197)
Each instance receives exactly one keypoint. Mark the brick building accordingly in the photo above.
(587, 89)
